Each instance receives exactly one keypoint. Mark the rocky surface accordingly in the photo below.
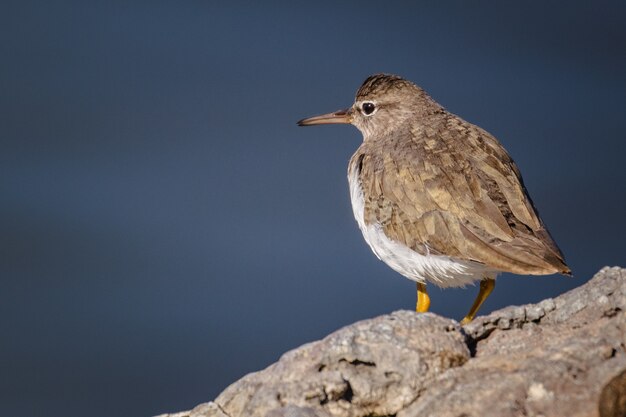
(561, 357)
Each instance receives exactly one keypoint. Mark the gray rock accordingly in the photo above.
(373, 367)
(209, 409)
(554, 358)
(295, 411)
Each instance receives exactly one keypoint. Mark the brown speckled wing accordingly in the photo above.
(445, 186)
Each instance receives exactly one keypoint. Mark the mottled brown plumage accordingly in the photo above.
(441, 186)
(448, 185)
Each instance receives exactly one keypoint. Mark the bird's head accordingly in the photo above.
(383, 103)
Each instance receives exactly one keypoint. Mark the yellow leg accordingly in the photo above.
(423, 300)
(486, 286)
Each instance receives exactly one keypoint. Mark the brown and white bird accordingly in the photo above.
(439, 199)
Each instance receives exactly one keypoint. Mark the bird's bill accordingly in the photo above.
(338, 117)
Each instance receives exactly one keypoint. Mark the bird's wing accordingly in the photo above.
(454, 190)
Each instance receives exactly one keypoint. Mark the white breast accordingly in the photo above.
(443, 271)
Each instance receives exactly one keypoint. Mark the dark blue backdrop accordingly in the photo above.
(166, 227)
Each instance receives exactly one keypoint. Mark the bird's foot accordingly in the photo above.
(486, 286)
(423, 300)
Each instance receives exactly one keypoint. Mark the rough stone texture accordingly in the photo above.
(373, 367)
(209, 409)
(561, 357)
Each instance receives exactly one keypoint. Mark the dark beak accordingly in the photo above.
(338, 117)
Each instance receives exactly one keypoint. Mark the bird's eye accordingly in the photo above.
(368, 108)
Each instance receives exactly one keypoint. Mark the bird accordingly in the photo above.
(439, 199)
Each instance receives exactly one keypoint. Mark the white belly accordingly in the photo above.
(443, 271)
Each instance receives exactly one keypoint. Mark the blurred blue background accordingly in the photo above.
(167, 228)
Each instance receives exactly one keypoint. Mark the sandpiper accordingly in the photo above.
(439, 199)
